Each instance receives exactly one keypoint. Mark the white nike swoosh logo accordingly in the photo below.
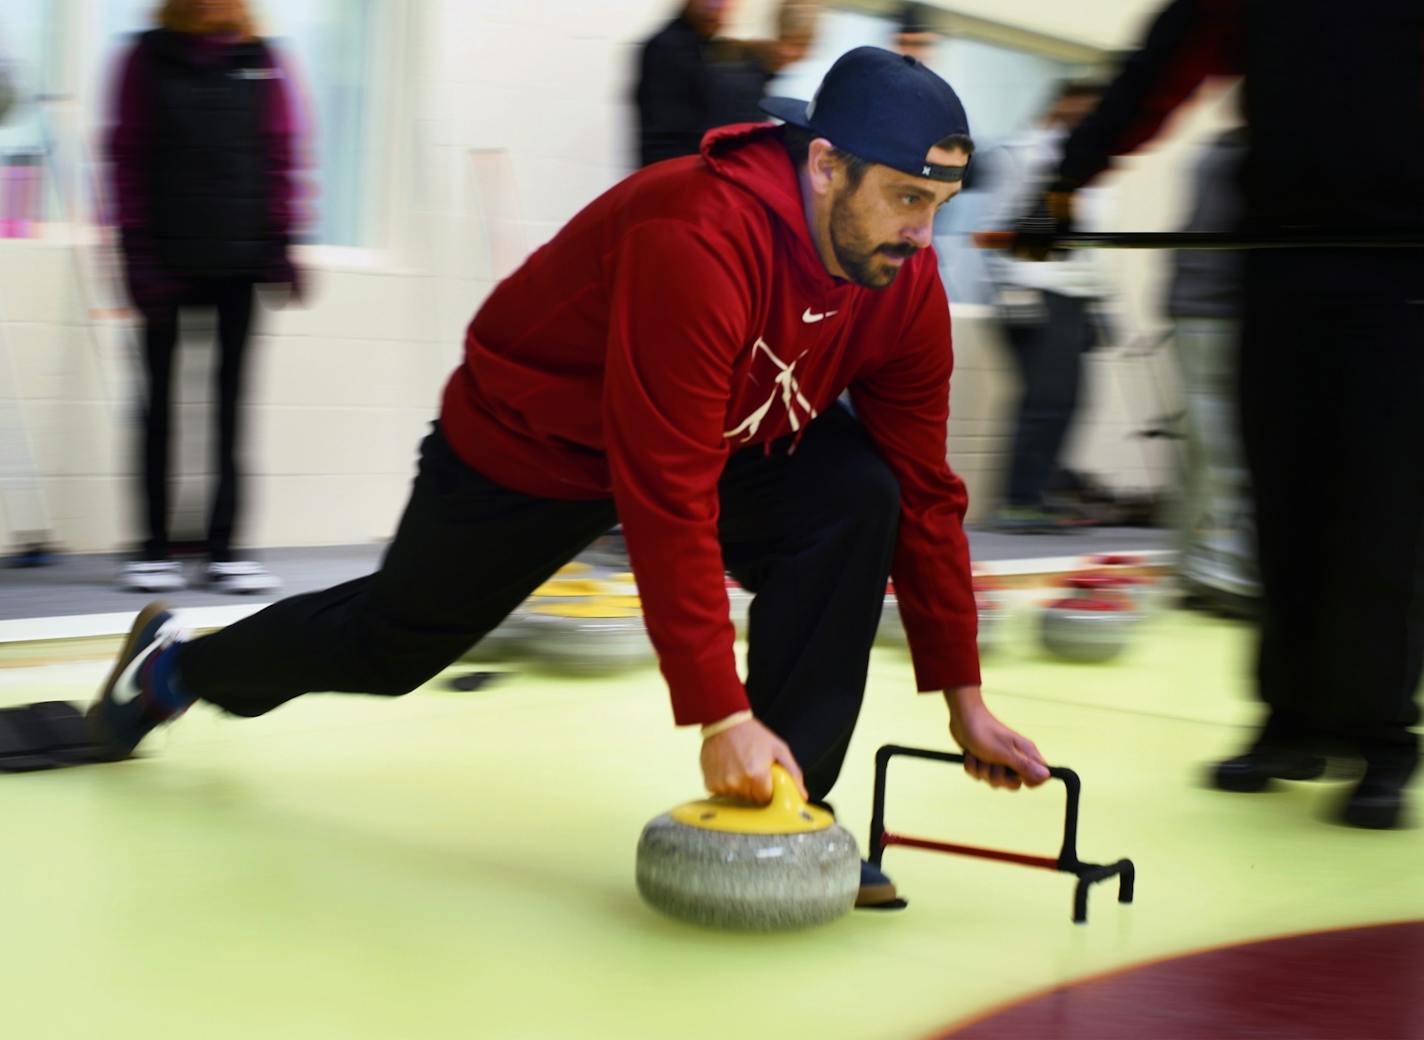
(811, 319)
(126, 689)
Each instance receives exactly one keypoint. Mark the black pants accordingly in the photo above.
(1050, 362)
(1332, 373)
(810, 533)
(233, 300)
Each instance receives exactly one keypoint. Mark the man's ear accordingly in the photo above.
(822, 165)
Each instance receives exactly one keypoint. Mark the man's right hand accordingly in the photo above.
(738, 761)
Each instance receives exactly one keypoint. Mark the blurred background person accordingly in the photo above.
(795, 33)
(1330, 367)
(680, 93)
(915, 34)
(691, 79)
(1204, 301)
(747, 67)
(1049, 313)
(202, 151)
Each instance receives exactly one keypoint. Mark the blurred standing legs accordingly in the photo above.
(234, 302)
(1218, 560)
(1332, 385)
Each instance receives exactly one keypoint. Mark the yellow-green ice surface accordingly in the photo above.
(461, 864)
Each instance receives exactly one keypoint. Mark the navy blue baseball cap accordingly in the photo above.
(884, 107)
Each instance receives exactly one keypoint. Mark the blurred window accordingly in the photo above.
(27, 63)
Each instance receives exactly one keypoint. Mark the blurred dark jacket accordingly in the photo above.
(683, 91)
(742, 78)
(1334, 97)
(202, 148)
(1206, 283)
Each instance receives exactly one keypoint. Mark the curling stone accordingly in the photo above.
(1092, 624)
(507, 641)
(767, 868)
(740, 601)
(596, 636)
(609, 550)
(892, 629)
(570, 588)
(1128, 570)
(503, 643)
(990, 609)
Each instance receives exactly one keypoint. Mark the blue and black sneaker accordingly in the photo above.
(142, 692)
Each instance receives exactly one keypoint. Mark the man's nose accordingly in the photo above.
(919, 235)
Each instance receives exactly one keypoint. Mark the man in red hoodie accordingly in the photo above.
(672, 360)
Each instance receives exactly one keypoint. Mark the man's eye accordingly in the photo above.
(910, 200)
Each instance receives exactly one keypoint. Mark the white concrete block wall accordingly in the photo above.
(516, 115)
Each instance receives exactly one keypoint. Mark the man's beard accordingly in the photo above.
(863, 262)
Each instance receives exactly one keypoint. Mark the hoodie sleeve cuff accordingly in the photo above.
(952, 664)
(702, 695)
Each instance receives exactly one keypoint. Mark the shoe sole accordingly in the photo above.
(876, 895)
(1245, 785)
(1261, 781)
(1374, 817)
(153, 588)
(97, 731)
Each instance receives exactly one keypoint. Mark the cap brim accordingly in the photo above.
(788, 110)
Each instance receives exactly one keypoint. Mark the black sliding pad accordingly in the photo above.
(43, 736)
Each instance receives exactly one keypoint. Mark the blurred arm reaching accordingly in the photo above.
(1189, 41)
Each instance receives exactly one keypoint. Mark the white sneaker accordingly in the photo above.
(241, 578)
(152, 576)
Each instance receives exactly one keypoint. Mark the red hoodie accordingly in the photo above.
(681, 316)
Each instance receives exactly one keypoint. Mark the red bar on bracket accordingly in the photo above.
(1021, 858)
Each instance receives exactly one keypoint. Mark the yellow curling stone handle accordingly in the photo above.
(787, 812)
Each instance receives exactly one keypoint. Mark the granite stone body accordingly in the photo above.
(1090, 636)
(762, 882)
(989, 621)
(892, 629)
(501, 644)
(739, 600)
(587, 645)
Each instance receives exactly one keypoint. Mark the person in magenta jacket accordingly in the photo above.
(673, 360)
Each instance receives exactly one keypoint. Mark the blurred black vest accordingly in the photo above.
(208, 179)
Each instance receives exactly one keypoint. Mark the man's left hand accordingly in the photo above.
(993, 752)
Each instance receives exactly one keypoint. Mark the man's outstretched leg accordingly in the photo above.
(467, 552)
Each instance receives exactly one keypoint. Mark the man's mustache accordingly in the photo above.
(904, 249)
